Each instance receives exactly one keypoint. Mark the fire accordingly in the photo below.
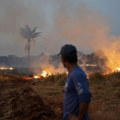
(6, 68)
(36, 76)
(118, 69)
(2, 68)
(112, 53)
(43, 74)
(10, 68)
(27, 78)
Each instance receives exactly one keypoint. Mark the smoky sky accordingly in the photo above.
(88, 24)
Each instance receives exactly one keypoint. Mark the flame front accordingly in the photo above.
(112, 53)
(43, 74)
(36, 76)
(118, 69)
(6, 68)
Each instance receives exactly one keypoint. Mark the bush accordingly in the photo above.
(97, 77)
(59, 79)
(114, 75)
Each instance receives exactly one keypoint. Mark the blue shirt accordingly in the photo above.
(76, 91)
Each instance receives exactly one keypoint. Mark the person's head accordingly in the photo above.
(68, 55)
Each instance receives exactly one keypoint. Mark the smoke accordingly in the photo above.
(48, 63)
(14, 14)
(87, 29)
(61, 22)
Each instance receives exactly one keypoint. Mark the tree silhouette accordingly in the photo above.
(30, 35)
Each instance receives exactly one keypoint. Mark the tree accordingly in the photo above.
(30, 35)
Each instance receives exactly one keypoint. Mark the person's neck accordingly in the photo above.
(71, 67)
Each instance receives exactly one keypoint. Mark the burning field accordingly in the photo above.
(31, 86)
(41, 98)
(29, 100)
(37, 93)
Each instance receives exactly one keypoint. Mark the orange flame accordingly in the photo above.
(36, 76)
(43, 74)
(112, 55)
(6, 68)
(117, 69)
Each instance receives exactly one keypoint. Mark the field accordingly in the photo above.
(43, 99)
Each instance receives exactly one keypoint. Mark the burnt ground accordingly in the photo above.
(43, 99)
(18, 101)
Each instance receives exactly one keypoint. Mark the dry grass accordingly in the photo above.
(105, 97)
(105, 91)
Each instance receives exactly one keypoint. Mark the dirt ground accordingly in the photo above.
(43, 100)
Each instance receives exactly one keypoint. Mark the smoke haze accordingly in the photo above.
(61, 22)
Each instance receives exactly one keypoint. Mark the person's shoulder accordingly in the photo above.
(77, 72)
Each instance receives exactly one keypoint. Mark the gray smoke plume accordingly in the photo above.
(61, 22)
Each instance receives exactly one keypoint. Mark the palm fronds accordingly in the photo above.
(29, 33)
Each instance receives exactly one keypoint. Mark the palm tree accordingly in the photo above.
(30, 35)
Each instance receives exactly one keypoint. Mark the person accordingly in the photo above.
(76, 92)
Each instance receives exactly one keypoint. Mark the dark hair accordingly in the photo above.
(69, 53)
(70, 58)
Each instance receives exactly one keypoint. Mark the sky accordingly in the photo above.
(88, 24)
